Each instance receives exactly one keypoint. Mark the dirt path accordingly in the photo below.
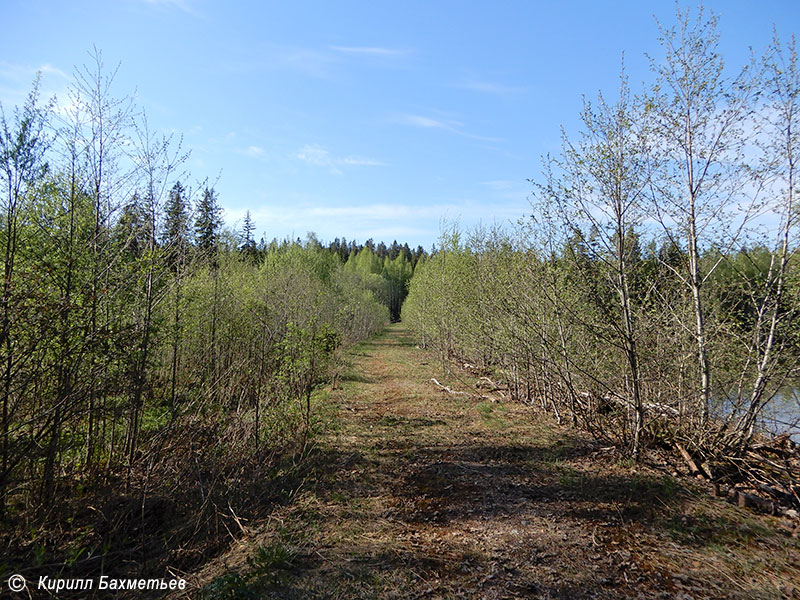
(422, 494)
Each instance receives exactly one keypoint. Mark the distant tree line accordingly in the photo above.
(385, 270)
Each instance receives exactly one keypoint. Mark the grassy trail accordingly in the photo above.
(417, 493)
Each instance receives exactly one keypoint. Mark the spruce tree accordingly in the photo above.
(175, 234)
(207, 223)
(132, 229)
(248, 247)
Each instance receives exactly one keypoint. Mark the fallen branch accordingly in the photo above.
(650, 407)
(662, 409)
(487, 384)
(772, 464)
(447, 388)
(688, 458)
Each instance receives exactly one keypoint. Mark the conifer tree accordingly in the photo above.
(207, 223)
(175, 235)
(248, 245)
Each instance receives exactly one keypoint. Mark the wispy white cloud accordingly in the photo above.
(448, 125)
(306, 60)
(273, 56)
(499, 184)
(290, 221)
(314, 154)
(429, 212)
(427, 122)
(491, 87)
(512, 190)
(26, 73)
(183, 5)
(319, 156)
(369, 50)
(48, 69)
(254, 151)
(16, 80)
(375, 212)
(361, 161)
(320, 62)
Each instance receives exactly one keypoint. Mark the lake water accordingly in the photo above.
(782, 415)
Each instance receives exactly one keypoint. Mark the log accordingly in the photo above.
(688, 458)
(781, 446)
(757, 502)
(650, 407)
(662, 409)
(779, 495)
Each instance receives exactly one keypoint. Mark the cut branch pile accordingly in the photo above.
(766, 477)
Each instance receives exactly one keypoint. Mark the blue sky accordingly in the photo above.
(361, 119)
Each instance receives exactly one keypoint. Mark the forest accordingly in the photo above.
(160, 364)
(141, 338)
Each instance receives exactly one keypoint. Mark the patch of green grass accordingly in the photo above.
(155, 418)
(270, 557)
(556, 453)
(271, 564)
(570, 477)
(40, 555)
(77, 549)
(391, 421)
(715, 532)
(350, 377)
(494, 415)
(626, 463)
(664, 488)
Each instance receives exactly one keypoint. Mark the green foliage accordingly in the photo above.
(232, 586)
(208, 222)
(175, 233)
(386, 278)
(636, 301)
(545, 325)
(119, 330)
(267, 567)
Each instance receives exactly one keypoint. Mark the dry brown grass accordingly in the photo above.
(417, 493)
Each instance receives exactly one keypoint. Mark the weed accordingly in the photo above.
(626, 463)
(714, 532)
(270, 557)
(74, 554)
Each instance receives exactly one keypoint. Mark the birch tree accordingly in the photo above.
(700, 118)
(605, 174)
